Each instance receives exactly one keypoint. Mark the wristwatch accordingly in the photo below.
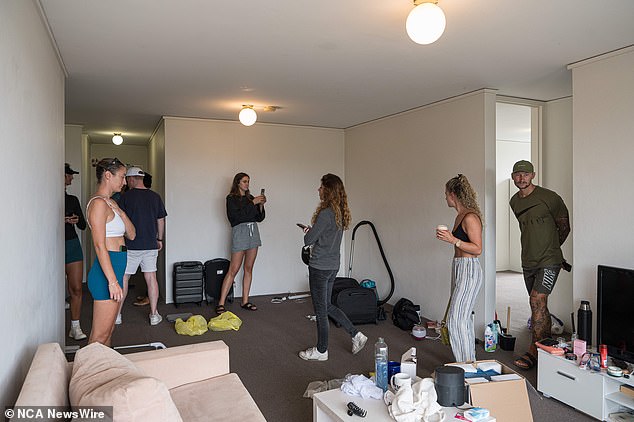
(458, 243)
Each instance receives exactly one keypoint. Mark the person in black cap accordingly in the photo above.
(74, 255)
(544, 224)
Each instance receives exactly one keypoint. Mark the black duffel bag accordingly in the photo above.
(405, 315)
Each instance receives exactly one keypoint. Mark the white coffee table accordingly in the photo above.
(332, 406)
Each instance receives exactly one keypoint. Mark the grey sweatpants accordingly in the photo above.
(466, 280)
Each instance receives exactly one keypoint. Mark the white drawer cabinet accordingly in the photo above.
(594, 393)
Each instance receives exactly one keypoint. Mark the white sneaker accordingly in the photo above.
(155, 319)
(358, 341)
(76, 333)
(313, 354)
(118, 320)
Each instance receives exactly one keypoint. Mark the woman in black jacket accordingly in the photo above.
(74, 256)
(244, 211)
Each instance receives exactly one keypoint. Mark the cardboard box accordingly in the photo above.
(627, 390)
(506, 400)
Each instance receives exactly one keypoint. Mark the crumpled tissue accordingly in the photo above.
(417, 403)
(359, 385)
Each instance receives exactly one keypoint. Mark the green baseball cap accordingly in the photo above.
(524, 166)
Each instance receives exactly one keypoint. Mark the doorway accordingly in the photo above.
(517, 138)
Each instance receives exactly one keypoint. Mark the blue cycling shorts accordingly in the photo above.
(97, 282)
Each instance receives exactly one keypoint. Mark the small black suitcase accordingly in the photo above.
(215, 271)
(358, 303)
(188, 282)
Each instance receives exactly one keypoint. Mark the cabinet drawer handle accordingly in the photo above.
(563, 374)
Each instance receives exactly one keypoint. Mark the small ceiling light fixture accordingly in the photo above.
(426, 22)
(117, 139)
(247, 115)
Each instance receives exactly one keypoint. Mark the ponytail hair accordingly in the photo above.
(465, 194)
(107, 164)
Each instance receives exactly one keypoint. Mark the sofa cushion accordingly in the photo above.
(222, 398)
(180, 365)
(46, 383)
(103, 377)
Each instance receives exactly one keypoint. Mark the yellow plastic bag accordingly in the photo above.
(194, 326)
(225, 321)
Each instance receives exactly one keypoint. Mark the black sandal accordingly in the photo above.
(526, 362)
(249, 306)
(220, 309)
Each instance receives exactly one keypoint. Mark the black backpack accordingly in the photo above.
(405, 315)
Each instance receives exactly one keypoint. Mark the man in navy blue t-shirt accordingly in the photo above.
(146, 210)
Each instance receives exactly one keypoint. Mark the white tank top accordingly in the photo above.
(114, 227)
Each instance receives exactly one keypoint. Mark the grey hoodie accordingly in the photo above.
(325, 237)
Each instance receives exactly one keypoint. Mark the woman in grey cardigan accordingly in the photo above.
(330, 219)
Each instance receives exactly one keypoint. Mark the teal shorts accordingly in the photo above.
(97, 282)
(73, 251)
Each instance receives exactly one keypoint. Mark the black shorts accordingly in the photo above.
(542, 280)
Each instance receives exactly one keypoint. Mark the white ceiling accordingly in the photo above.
(333, 63)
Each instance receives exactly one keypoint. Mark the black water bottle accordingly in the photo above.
(584, 322)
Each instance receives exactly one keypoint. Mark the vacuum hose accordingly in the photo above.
(389, 271)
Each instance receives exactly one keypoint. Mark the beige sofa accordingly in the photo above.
(196, 377)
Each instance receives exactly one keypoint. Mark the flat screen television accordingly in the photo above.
(615, 311)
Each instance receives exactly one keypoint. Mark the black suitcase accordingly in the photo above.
(188, 282)
(215, 271)
(358, 303)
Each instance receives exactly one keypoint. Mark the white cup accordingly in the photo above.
(441, 227)
(399, 380)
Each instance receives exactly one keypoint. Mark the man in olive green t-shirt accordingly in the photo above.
(544, 224)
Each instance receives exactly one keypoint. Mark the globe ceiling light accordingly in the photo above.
(247, 115)
(426, 22)
(117, 139)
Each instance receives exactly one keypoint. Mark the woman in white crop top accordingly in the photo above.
(108, 224)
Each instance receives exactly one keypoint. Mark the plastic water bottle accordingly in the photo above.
(584, 322)
(489, 339)
(380, 364)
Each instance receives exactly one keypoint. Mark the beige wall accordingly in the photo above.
(603, 106)
(156, 167)
(201, 158)
(513, 143)
(556, 171)
(32, 215)
(396, 170)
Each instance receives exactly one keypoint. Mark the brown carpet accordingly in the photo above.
(264, 352)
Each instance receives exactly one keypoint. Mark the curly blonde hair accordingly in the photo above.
(334, 196)
(465, 194)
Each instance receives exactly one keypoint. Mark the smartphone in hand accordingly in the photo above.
(262, 191)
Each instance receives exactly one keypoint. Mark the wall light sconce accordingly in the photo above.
(117, 139)
(247, 115)
(426, 22)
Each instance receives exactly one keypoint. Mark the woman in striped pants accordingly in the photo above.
(466, 276)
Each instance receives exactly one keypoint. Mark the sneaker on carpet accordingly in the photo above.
(155, 319)
(358, 342)
(313, 354)
(76, 333)
(118, 320)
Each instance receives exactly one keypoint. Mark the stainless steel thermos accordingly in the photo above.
(584, 322)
